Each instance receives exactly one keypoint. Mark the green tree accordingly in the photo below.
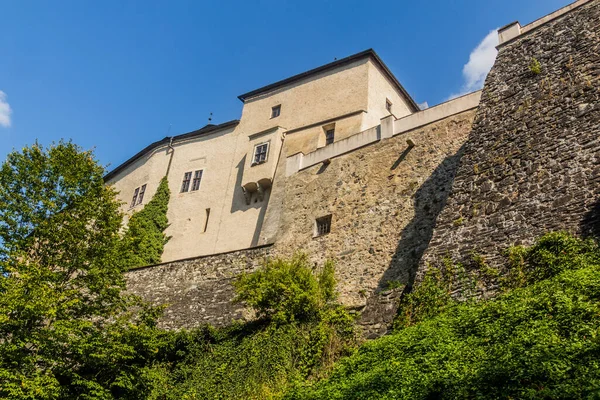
(145, 235)
(65, 328)
(287, 290)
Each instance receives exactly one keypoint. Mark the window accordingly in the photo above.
(135, 195)
(197, 179)
(260, 153)
(329, 136)
(276, 111)
(185, 185)
(141, 195)
(388, 105)
(323, 225)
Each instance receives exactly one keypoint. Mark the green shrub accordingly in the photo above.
(302, 334)
(539, 341)
(287, 290)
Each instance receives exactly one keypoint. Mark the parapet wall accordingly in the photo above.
(198, 290)
(532, 162)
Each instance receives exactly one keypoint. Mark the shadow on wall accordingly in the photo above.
(428, 202)
(590, 224)
(238, 202)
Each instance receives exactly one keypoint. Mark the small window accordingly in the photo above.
(388, 105)
(135, 196)
(197, 179)
(206, 221)
(260, 153)
(323, 225)
(329, 136)
(185, 185)
(276, 111)
(141, 195)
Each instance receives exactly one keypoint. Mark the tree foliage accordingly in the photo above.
(65, 328)
(538, 340)
(145, 237)
(287, 290)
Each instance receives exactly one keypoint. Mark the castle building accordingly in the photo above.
(339, 162)
(221, 176)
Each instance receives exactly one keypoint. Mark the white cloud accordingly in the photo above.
(481, 60)
(423, 106)
(5, 110)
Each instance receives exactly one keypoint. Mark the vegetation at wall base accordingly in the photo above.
(145, 237)
(539, 339)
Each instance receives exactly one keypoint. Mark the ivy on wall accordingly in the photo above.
(145, 236)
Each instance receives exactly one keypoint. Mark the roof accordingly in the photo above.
(205, 130)
(370, 53)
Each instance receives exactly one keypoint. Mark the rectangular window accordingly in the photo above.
(185, 185)
(135, 195)
(260, 153)
(141, 195)
(388, 105)
(206, 222)
(323, 225)
(197, 179)
(276, 111)
(329, 136)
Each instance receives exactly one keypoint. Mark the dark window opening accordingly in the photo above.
(323, 225)
(141, 195)
(135, 195)
(260, 153)
(197, 179)
(185, 185)
(276, 111)
(329, 136)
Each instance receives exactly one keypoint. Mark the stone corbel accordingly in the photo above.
(247, 195)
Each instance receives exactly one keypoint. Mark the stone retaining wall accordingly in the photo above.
(197, 291)
(532, 162)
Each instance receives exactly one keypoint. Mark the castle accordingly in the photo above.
(339, 162)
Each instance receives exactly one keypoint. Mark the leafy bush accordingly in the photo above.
(538, 341)
(302, 334)
(286, 291)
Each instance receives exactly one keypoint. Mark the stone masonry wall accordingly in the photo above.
(384, 199)
(532, 162)
(197, 291)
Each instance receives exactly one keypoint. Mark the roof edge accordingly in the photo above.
(166, 140)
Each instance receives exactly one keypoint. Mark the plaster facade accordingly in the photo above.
(227, 210)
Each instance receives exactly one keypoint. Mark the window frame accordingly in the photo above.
(195, 178)
(185, 183)
(323, 225)
(254, 153)
(329, 140)
(274, 110)
(135, 196)
(141, 194)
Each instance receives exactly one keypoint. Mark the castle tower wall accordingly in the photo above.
(532, 162)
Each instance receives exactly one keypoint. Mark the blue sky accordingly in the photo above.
(118, 75)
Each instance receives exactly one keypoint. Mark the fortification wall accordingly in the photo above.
(531, 163)
(197, 290)
(383, 199)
